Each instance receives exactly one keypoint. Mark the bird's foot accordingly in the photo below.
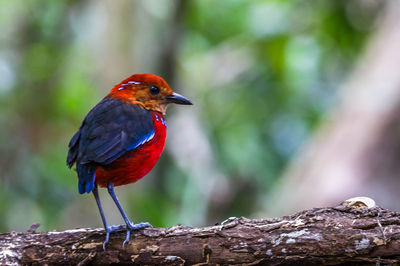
(110, 229)
(134, 227)
(139, 226)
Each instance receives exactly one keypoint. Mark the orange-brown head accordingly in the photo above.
(149, 91)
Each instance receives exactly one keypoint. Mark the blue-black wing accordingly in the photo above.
(108, 131)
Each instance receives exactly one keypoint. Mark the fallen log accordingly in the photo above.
(348, 233)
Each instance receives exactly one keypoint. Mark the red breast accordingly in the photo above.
(136, 163)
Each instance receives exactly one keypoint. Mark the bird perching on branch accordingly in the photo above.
(121, 139)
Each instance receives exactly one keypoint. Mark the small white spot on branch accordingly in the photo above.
(291, 241)
(9, 254)
(360, 202)
(172, 258)
(362, 244)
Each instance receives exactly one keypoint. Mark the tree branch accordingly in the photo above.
(334, 235)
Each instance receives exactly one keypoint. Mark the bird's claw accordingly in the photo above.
(134, 227)
(109, 230)
(129, 227)
(139, 226)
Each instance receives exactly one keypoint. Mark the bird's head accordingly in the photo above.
(149, 91)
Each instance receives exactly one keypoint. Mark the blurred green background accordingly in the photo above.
(261, 75)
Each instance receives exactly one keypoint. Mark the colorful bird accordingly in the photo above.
(121, 139)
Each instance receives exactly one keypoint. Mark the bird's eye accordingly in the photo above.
(154, 90)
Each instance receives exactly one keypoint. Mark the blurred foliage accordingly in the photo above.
(261, 74)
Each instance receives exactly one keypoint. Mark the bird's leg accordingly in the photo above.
(108, 229)
(130, 225)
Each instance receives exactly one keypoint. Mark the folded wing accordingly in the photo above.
(109, 130)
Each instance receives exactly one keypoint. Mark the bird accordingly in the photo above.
(121, 139)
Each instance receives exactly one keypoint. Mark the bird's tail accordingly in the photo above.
(86, 175)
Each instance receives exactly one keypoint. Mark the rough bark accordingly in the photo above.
(338, 235)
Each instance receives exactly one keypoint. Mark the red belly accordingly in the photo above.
(134, 164)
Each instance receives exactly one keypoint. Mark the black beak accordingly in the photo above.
(178, 99)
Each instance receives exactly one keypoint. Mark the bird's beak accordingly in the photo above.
(178, 99)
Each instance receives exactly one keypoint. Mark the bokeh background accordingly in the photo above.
(296, 105)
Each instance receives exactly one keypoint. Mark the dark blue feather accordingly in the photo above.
(86, 174)
(108, 131)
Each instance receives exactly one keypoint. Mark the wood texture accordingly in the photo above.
(319, 236)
